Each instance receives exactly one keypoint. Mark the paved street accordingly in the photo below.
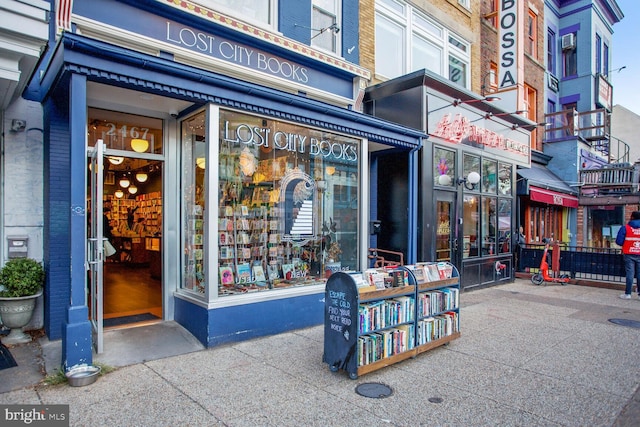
(528, 356)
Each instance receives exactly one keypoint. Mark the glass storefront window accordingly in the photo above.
(288, 205)
(193, 204)
(471, 226)
(489, 175)
(504, 179)
(504, 225)
(444, 167)
(470, 164)
(488, 226)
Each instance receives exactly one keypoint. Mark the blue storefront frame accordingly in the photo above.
(77, 60)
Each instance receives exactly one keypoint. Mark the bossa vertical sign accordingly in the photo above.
(508, 69)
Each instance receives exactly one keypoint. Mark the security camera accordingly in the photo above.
(173, 113)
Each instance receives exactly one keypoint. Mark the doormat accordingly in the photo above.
(117, 321)
(6, 359)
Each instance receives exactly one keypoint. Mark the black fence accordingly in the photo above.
(579, 262)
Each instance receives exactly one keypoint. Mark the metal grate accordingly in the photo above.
(374, 390)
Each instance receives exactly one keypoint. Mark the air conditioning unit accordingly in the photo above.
(569, 41)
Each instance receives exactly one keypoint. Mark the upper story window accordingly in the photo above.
(605, 58)
(408, 40)
(465, 3)
(490, 80)
(531, 41)
(569, 55)
(324, 21)
(258, 11)
(492, 16)
(530, 103)
(551, 51)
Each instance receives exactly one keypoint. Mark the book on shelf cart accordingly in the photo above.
(380, 317)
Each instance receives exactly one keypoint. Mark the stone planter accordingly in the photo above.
(15, 314)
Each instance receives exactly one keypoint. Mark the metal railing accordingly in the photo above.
(591, 127)
(579, 262)
(610, 179)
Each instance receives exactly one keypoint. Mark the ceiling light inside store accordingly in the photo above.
(133, 189)
(115, 160)
(201, 162)
(141, 177)
(124, 182)
(119, 194)
(139, 145)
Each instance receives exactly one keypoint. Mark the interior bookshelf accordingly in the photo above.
(379, 317)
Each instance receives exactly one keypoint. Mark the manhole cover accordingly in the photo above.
(626, 322)
(375, 390)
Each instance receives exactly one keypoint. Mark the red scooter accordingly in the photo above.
(543, 275)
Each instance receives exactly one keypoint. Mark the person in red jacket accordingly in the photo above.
(629, 238)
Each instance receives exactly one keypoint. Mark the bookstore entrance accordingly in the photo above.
(126, 288)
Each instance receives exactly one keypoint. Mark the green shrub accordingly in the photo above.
(21, 277)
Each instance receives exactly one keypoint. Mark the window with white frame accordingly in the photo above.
(258, 11)
(408, 40)
(325, 25)
(465, 3)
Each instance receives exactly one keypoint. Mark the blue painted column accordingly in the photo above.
(76, 334)
(412, 206)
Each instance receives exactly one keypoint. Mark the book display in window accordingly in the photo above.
(278, 184)
(386, 316)
(250, 235)
(194, 249)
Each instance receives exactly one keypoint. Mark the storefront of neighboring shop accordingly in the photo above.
(548, 205)
(466, 192)
(230, 166)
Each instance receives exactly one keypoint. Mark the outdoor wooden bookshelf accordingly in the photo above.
(347, 332)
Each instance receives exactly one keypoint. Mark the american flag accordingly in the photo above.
(63, 15)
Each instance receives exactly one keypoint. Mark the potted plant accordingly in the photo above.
(21, 282)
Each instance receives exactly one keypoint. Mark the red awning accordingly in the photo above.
(552, 197)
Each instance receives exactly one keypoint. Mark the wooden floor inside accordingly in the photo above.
(129, 290)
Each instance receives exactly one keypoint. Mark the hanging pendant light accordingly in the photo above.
(124, 182)
(201, 162)
(132, 189)
(141, 177)
(115, 160)
(139, 145)
(119, 194)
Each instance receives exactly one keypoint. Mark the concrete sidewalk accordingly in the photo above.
(528, 355)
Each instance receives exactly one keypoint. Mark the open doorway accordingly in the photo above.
(131, 207)
(132, 279)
